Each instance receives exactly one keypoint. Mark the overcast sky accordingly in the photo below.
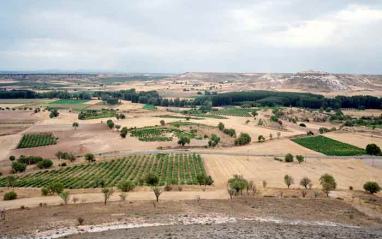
(340, 36)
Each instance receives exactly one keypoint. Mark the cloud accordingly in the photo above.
(184, 35)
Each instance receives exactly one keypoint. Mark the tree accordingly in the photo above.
(243, 139)
(270, 136)
(107, 192)
(46, 163)
(151, 179)
(10, 182)
(12, 158)
(214, 141)
(89, 157)
(288, 180)
(18, 167)
(289, 158)
(75, 125)
(184, 140)
(59, 154)
(300, 158)
(162, 122)
(372, 187)
(157, 192)
(328, 183)
(373, 149)
(117, 127)
(201, 179)
(122, 116)
(126, 186)
(237, 183)
(99, 182)
(65, 196)
(278, 134)
(309, 133)
(261, 138)
(10, 196)
(221, 126)
(110, 124)
(123, 132)
(305, 182)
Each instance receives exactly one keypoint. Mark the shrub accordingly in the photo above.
(126, 186)
(372, 187)
(46, 163)
(328, 183)
(300, 158)
(323, 130)
(65, 196)
(243, 139)
(302, 125)
(123, 196)
(80, 221)
(288, 158)
(221, 126)
(123, 132)
(157, 192)
(99, 182)
(278, 159)
(10, 196)
(184, 140)
(12, 158)
(305, 182)
(44, 191)
(261, 138)
(107, 192)
(162, 122)
(18, 167)
(373, 149)
(151, 179)
(288, 180)
(214, 141)
(309, 133)
(168, 188)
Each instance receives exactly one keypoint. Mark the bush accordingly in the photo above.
(46, 163)
(10, 196)
(302, 125)
(243, 139)
(289, 158)
(168, 188)
(45, 191)
(309, 133)
(151, 179)
(89, 157)
(65, 196)
(126, 186)
(184, 140)
(221, 126)
(261, 138)
(12, 158)
(372, 187)
(300, 158)
(18, 167)
(373, 149)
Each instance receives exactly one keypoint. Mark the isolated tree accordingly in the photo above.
(221, 126)
(107, 193)
(110, 124)
(59, 154)
(305, 182)
(122, 116)
(243, 139)
(157, 192)
(300, 158)
(289, 158)
(126, 186)
(56, 188)
(372, 187)
(65, 196)
(75, 125)
(89, 157)
(373, 149)
(123, 132)
(12, 158)
(214, 140)
(184, 140)
(162, 122)
(328, 183)
(288, 180)
(237, 183)
(261, 138)
(270, 136)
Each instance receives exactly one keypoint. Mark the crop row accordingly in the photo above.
(234, 112)
(157, 138)
(170, 169)
(36, 140)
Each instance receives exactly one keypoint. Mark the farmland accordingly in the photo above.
(235, 112)
(329, 146)
(150, 134)
(94, 114)
(68, 101)
(36, 140)
(170, 169)
(148, 107)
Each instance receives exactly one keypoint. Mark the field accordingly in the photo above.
(150, 134)
(170, 169)
(148, 107)
(235, 112)
(329, 146)
(69, 101)
(93, 114)
(36, 140)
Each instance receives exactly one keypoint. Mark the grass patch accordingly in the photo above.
(170, 169)
(68, 101)
(329, 146)
(148, 107)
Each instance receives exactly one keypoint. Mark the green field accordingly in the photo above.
(156, 133)
(177, 117)
(235, 112)
(96, 114)
(329, 146)
(36, 140)
(148, 107)
(68, 101)
(170, 168)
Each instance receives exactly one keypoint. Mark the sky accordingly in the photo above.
(174, 36)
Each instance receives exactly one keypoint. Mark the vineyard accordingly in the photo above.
(329, 146)
(235, 112)
(36, 140)
(170, 169)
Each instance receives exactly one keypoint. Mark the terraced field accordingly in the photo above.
(170, 168)
(329, 146)
(235, 112)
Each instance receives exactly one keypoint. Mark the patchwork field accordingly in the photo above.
(329, 146)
